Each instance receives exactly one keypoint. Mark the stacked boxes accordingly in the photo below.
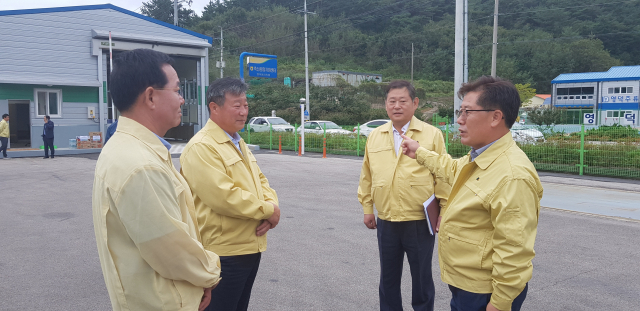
(94, 140)
(83, 142)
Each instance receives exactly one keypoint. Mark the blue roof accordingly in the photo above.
(620, 73)
(105, 6)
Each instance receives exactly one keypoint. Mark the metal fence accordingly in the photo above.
(577, 149)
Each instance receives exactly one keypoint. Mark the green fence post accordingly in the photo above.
(248, 135)
(324, 135)
(582, 150)
(270, 137)
(358, 142)
(446, 135)
(295, 136)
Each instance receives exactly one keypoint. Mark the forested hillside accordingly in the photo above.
(538, 39)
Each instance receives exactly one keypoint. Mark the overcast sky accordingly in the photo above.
(132, 5)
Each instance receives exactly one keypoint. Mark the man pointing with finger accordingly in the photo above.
(234, 203)
(398, 186)
(488, 229)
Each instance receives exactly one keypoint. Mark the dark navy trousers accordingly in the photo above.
(48, 145)
(4, 142)
(394, 240)
(463, 300)
(234, 291)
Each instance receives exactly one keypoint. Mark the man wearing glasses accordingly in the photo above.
(488, 229)
(144, 216)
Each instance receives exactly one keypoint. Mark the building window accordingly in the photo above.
(617, 113)
(48, 102)
(621, 90)
(575, 91)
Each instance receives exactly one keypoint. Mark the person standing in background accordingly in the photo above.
(398, 186)
(4, 135)
(47, 137)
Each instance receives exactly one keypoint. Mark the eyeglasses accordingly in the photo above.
(465, 112)
(179, 90)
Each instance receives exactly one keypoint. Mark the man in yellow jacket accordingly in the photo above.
(143, 212)
(234, 202)
(488, 229)
(398, 187)
(4, 135)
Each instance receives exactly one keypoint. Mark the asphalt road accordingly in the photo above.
(320, 257)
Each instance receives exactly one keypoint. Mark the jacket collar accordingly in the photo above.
(415, 125)
(140, 132)
(218, 134)
(490, 155)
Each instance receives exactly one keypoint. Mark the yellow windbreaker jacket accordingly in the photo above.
(144, 221)
(4, 128)
(488, 229)
(230, 192)
(398, 185)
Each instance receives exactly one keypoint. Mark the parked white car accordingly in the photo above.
(524, 134)
(262, 124)
(318, 126)
(365, 129)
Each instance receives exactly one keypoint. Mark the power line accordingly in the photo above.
(571, 7)
(288, 11)
(376, 40)
(554, 9)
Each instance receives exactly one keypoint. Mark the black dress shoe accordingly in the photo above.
(45, 157)
(52, 157)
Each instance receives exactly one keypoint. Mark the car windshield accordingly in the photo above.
(375, 124)
(277, 121)
(330, 125)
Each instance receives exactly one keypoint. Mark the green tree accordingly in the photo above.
(526, 93)
(162, 10)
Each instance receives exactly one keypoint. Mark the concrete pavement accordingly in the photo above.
(320, 257)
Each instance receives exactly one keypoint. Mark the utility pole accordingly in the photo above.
(221, 54)
(465, 75)
(306, 61)
(459, 53)
(494, 52)
(411, 62)
(175, 12)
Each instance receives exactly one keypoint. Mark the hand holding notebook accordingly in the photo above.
(432, 212)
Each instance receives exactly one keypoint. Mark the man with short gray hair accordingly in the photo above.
(235, 205)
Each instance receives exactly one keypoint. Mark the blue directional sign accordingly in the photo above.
(263, 67)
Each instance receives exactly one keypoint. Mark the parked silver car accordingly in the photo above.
(365, 129)
(262, 124)
(524, 134)
(318, 126)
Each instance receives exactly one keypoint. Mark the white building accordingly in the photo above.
(55, 62)
(606, 98)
